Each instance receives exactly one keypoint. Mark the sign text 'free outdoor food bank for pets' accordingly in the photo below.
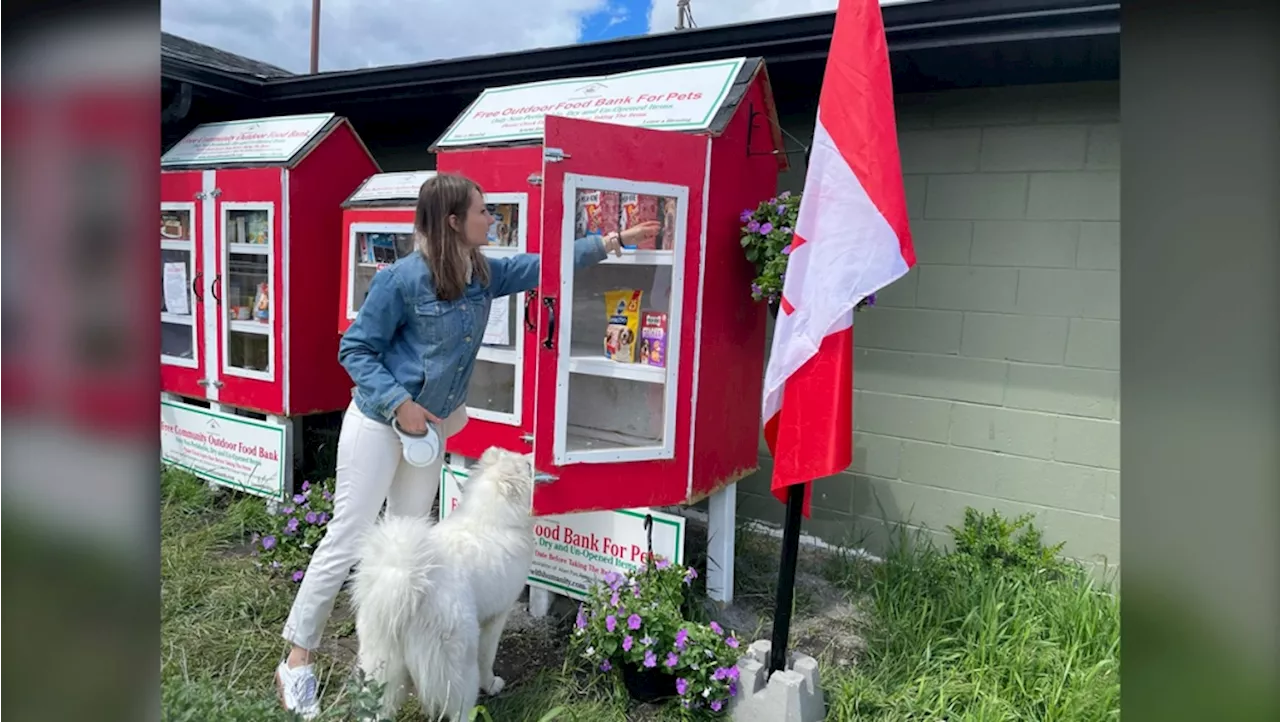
(679, 97)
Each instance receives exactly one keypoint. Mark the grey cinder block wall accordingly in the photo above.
(990, 375)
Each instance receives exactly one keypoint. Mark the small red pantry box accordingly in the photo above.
(249, 214)
(377, 230)
(637, 381)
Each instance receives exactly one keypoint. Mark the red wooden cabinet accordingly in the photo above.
(249, 215)
(620, 412)
(377, 230)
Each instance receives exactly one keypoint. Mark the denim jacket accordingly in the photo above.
(408, 344)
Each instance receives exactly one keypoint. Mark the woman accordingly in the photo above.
(410, 351)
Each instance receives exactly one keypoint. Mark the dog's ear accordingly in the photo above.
(490, 456)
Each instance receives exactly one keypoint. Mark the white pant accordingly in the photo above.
(371, 469)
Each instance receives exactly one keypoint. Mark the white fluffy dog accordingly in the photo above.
(431, 600)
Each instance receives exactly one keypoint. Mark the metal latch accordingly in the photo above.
(554, 155)
(207, 382)
(527, 438)
(540, 477)
(535, 179)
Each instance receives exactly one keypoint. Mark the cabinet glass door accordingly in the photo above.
(248, 288)
(179, 287)
(372, 247)
(619, 323)
(497, 383)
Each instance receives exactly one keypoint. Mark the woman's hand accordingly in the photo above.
(413, 418)
(639, 232)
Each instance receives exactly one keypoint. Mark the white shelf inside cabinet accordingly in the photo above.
(641, 258)
(254, 327)
(581, 439)
(497, 355)
(178, 318)
(500, 251)
(601, 366)
(175, 244)
(255, 249)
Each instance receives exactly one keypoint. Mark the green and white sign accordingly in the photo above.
(244, 454)
(575, 551)
(261, 140)
(677, 97)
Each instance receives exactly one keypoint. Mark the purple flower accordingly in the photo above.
(613, 600)
(745, 216)
(650, 659)
(782, 210)
(298, 575)
(672, 659)
(682, 637)
(322, 519)
(613, 579)
(299, 499)
(605, 666)
(306, 486)
(268, 542)
(690, 575)
(753, 226)
(733, 689)
(627, 641)
(732, 642)
(682, 686)
(287, 510)
(635, 592)
(311, 517)
(871, 300)
(784, 195)
(786, 250)
(610, 622)
(581, 622)
(327, 496)
(756, 290)
(766, 229)
(732, 674)
(716, 705)
(647, 640)
(664, 563)
(719, 674)
(633, 622)
(292, 525)
(786, 230)
(715, 627)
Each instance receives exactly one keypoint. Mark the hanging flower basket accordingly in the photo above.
(767, 233)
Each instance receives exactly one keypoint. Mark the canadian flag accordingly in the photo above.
(851, 240)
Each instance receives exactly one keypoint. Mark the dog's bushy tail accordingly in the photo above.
(392, 579)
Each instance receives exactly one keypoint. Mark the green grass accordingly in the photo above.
(998, 631)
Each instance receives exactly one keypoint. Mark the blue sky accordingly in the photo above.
(374, 33)
(618, 19)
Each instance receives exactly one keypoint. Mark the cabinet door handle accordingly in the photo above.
(550, 340)
(213, 289)
(529, 324)
(195, 286)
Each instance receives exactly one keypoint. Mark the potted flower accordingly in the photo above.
(299, 525)
(767, 233)
(634, 625)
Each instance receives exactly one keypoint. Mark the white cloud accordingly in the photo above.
(369, 33)
(662, 15)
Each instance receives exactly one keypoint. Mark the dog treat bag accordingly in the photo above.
(622, 308)
(653, 338)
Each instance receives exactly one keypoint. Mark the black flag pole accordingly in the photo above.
(786, 578)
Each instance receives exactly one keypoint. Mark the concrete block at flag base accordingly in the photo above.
(789, 695)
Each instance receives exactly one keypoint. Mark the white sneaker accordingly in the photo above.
(298, 689)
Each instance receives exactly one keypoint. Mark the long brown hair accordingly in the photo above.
(447, 252)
